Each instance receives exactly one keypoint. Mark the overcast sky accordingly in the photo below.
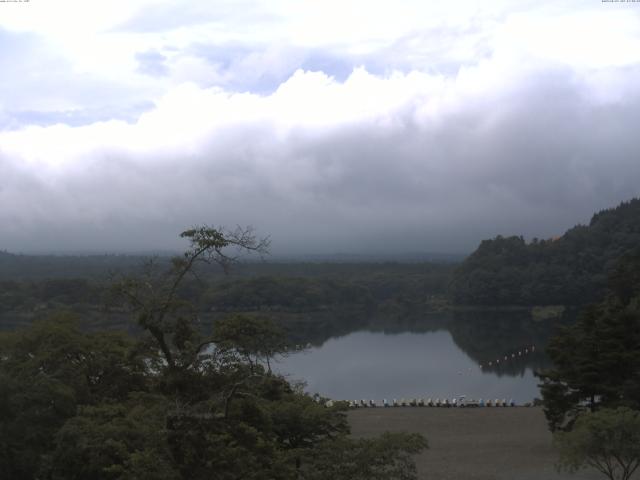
(333, 126)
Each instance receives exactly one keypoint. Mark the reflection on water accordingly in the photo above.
(434, 357)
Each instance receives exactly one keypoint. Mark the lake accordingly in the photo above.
(444, 361)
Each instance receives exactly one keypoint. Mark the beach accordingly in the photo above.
(511, 443)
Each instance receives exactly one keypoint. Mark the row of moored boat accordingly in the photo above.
(421, 402)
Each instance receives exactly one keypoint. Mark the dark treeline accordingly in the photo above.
(308, 287)
(569, 270)
(37, 267)
(285, 288)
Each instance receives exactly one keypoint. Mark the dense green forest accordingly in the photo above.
(295, 293)
(317, 299)
(175, 400)
(569, 270)
(185, 388)
(596, 360)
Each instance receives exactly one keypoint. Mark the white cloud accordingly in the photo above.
(318, 163)
(455, 123)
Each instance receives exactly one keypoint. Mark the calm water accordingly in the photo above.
(375, 365)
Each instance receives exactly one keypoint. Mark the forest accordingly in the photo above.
(174, 400)
(568, 270)
(289, 291)
(130, 367)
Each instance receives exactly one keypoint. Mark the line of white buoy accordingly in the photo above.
(510, 356)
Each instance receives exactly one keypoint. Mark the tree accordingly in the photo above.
(175, 402)
(124, 440)
(596, 364)
(387, 457)
(155, 299)
(568, 270)
(49, 371)
(596, 361)
(233, 418)
(256, 339)
(607, 440)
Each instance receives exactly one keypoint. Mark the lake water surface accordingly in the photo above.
(378, 365)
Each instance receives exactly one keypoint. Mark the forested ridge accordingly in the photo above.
(288, 291)
(569, 270)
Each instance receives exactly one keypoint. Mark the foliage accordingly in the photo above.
(256, 339)
(48, 371)
(175, 402)
(155, 297)
(75, 281)
(366, 459)
(569, 270)
(607, 440)
(124, 440)
(292, 294)
(597, 360)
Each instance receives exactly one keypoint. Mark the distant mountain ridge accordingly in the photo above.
(569, 270)
(21, 267)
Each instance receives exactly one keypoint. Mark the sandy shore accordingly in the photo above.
(473, 443)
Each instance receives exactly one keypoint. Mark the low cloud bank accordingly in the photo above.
(372, 164)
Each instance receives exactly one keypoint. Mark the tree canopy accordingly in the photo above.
(176, 401)
(608, 440)
(597, 360)
(571, 269)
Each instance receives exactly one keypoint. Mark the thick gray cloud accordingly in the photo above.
(409, 133)
(534, 161)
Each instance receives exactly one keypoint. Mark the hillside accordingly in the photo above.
(570, 270)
